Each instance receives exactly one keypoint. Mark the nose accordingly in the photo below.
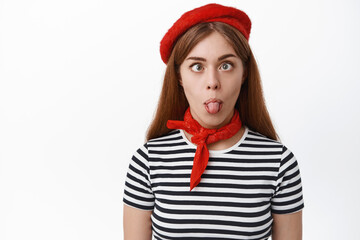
(213, 80)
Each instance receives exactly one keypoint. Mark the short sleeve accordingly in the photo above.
(288, 196)
(138, 192)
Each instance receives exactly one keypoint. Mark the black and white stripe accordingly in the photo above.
(239, 190)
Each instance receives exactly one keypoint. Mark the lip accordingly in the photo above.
(210, 100)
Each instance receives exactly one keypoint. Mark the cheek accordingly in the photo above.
(233, 89)
(190, 90)
(190, 85)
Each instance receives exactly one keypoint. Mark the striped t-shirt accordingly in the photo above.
(239, 190)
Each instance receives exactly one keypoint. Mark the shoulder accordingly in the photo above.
(258, 140)
(173, 135)
(286, 160)
(171, 139)
(159, 141)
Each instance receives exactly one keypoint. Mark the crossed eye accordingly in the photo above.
(198, 67)
(226, 66)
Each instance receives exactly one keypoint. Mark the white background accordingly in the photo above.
(79, 83)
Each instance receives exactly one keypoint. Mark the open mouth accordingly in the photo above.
(213, 105)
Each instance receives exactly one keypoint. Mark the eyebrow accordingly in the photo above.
(226, 56)
(204, 60)
(197, 59)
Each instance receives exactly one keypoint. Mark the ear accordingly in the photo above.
(244, 76)
(179, 78)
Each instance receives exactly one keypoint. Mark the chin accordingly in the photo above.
(209, 120)
(214, 120)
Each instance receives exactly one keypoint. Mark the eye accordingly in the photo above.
(226, 66)
(197, 67)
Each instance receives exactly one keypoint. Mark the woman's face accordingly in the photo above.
(211, 76)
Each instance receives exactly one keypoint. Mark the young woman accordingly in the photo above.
(212, 167)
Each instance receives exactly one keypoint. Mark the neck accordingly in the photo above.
(226, 121)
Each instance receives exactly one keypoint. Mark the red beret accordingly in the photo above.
(208, 13)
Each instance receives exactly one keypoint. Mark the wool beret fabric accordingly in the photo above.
(208, 13)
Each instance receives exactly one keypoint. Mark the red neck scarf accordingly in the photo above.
(201, 137)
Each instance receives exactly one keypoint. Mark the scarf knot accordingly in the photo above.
(201, 137)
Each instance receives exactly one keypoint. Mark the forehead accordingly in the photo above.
(213, 45)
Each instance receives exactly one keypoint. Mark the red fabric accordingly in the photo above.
(201, 137)
(208, 13)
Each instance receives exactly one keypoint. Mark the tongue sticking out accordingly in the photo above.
(213, 107)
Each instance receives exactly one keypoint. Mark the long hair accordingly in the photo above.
(250, 104)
